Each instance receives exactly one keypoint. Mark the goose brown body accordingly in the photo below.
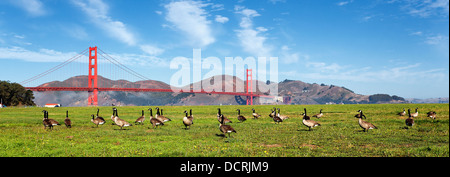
(240, 117)
(67, 121)
(319, 115)
(188, 120)
(221, 118)
(155, 122)
(159, 115)
(225, 129)
(308, 122)
(140, 119)
(46, 122)
(97, 121)
(255, 115)
(410, 120)
(431, 115)
(366, 126)
(120, 122)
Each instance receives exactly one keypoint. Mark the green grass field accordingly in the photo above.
(22, 133)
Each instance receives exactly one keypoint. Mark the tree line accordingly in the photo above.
(14, 94)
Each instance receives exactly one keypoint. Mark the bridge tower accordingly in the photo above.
(249, 87)
(92, 78)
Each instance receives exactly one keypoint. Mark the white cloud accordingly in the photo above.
(427, 8)
(151, 50)
(252, 40)
(97, 10)
(43, 55)
(190, 18)
(32, 7)
(343, 3)
(437, 40)
(221, 19)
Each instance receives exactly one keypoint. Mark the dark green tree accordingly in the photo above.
(14, 94)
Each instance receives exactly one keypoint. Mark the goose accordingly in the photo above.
(97, 121)
(225, 129)
(141, 119)
(255, 115)
(318, 115)
(101, 118)
(363, 124)
(221, 117)
(240, 117)
(308, 122)
(120, 122)
(416, 113)
(67, 121)
(155, 122)
(160, 117)
(282, 117)
(360, 115)
(188, 120)
(275, 118)
(403, 113)
(272, 113)
(410, 120)
(46, 122)
(431, 115)
(52, 121)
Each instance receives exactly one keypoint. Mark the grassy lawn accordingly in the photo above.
(22, 133)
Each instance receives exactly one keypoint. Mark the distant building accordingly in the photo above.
(52, 105)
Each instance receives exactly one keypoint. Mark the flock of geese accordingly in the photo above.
(159, 119)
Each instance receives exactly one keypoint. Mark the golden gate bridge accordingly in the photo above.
(77, 64)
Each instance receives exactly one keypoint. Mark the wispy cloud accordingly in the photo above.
(190, 18)
(32, 7)
(221, 19)
(97, 10)
(343, 3)
(427, 8)
(252, 39)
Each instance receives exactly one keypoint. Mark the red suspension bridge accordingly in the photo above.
(113, 69)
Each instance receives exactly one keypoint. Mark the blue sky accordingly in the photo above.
(398, 47)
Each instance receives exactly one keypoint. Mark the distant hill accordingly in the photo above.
(298, 92)
(428, 100)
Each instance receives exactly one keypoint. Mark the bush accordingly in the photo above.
(14, 94)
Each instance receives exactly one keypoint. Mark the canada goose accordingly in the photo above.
(275, 118)
(255, 115)
(188, 120)
(416, 113)
(52, 121)
(363, 124)
(221, 117)
(360, 115)
(120, 122)
(155, 122)
(431, 115)
(272, 113)
(45, 121)
(97, 121)
(160, 116)
(225, 129)
(282, 117)
(319, 115)
(308, 122)
(409, 121)
(67, 121)
(403, 113)
(101, 118)
(240, 117)
(141, 119)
